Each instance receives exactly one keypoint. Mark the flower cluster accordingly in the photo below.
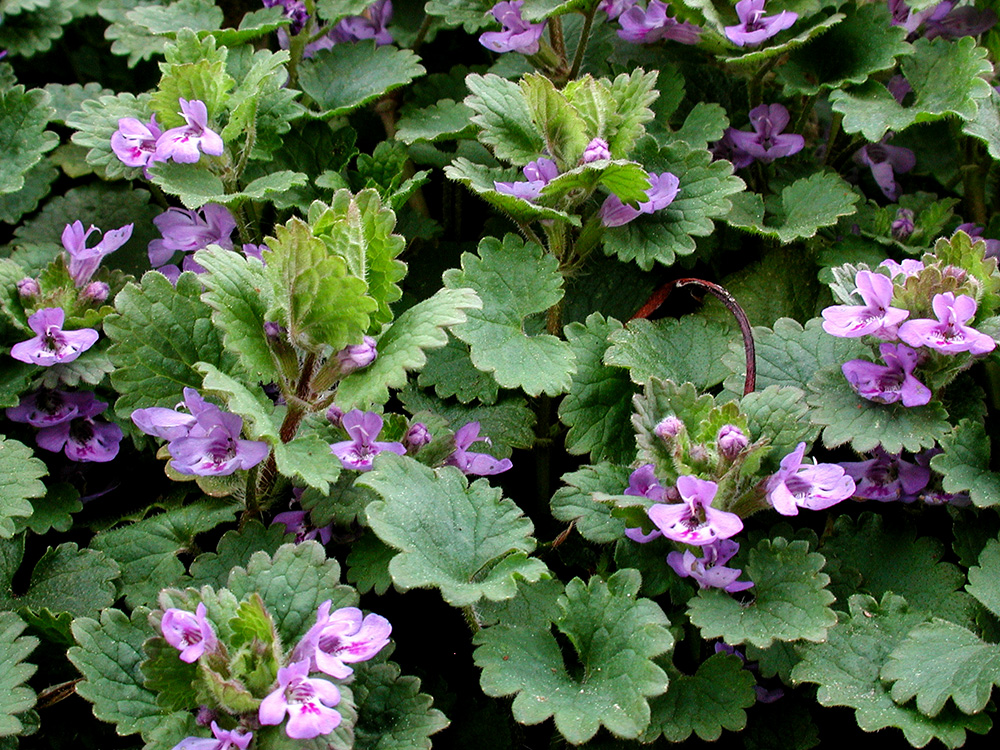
(65, 422)
(651, 24)
(885, 161)
(538, 174)
(336, 640)
(51, 344)
(766, 143)
(802, 485)
(203, 440)
(359, 452)
(371, 24)
(754, 27)
(142, 145)
(186, 231)
(517, 35)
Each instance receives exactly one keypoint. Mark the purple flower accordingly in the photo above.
(416, 437)
(45, 408)
(186, 144)
(539, 173)
(356, 356)
(976, 232)
(597, 150)
(204, 442)
(82, 438)
(295, 10)
(28, 288)
(950, 22)
(899, 87)
(653, 24)
(83, 260)
(518, 35)
(191, 634)
(187, 231)
(812, 486)
(902, 225)
(887, 477)
(358, 452)
(731, 441)
(52, 345)
(615, 8)
(708, 570)
(948, 333)
(875, 317)
(297, 522)
(340, 638)
(224, 740)
(694, 520)
(477, 464)
(891, 383)
(726, 148)
(308, 703)
(909, 267)
(643, 483)
(767, 142)
(370, 25)
(663, 188)
(134, 143)
(884, 161)
(668, 427)
(754, 27)
(254, 251)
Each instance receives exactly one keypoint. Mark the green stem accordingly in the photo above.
(557, 39)
(974, 182)
(832, 139)
(755, 89)
(807, 109)
(581, 48)
(422, 32)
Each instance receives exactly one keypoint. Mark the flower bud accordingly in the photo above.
(356, 356)
(698, 453)
(95, 291)
(902, 226)
(596, 150)
(28, 287)
(732, 441)
(668, 428)
(205, 716)
(274, 330)
(416, 437)
(336, 415)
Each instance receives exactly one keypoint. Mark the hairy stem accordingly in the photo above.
(581, 48)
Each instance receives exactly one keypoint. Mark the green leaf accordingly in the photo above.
(514, 280)
(148, 550)
(15, 696)
(472, 547)
(253, 25)
(234, 549)
(158, 334)
(940, 660)
(307, 460)
(705, 703)
(334, 10)
(235, 292)
(195, 69)
(472, 14)
(127, 37)
(791, 601)
(37, 184)
(685, 350)
(23, 137)
(564, 132)
(196, 186)
(504, 118)
(790, 354)
(261, 100)
(264, 73)
(704, 124)
(253, 406)
(625, 179)
(705, 187)
(293, 582)
(368, 564)
(108, 655)
(54, 511)
(847, 417)
(314, 295)
(598, 407)
(780, 414)
(986, 124)
(965, 463)
(184, 14)
(632, 94)
(343, 78)
(803, 208)
(865, 42)
(481, 180)
(508, 423)
(20, 473)
(615, 636)
(25, 34)
(65, 579)
(401, 346)
(846, 667)
(947, 79)
(983, 577)
(446, 120)
(575, 502)
(875, 557)
(392, 712)
(759, 56)
(451, 372)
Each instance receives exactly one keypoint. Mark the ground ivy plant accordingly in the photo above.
(603, 372)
